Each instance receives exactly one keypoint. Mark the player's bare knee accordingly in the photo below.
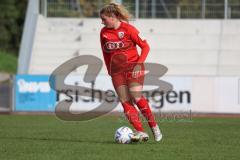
(135, 88)
(135, 97)
(124, 99)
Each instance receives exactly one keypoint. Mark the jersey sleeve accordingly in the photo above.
(106, 58)
(141, 42)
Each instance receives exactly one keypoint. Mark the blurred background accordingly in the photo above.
(197, 40)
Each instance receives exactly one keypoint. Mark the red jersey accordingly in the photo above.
(122, 43)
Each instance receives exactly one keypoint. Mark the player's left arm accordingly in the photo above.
(141, 42)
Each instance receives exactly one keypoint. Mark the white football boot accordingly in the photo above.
(157, 133)
(140, 136)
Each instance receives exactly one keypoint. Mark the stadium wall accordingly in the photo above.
(186, 47)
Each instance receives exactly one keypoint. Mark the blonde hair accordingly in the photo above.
(116, 9)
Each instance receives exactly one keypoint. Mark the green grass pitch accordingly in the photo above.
(45, 137)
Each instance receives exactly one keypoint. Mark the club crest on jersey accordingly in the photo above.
(120, 35)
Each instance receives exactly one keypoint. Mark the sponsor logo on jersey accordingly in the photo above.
(118, 45)
(120, 35)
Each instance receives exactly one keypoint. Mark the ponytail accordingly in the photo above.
(116, 9)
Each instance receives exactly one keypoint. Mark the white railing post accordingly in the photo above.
(226, 9)
(44, 7)
(203, 8)
(178, 11)
(136, 9)
(153, 6)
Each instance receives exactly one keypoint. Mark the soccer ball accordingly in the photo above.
(123, 135)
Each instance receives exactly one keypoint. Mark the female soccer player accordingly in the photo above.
(125, 66)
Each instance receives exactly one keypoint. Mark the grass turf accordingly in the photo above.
(48, 138)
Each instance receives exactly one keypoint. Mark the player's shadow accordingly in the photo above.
(109, 142)
(58, 140)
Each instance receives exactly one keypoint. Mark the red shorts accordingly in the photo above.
(126, 77)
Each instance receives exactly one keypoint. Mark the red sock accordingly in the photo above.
(146, 111)
(133, 116)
